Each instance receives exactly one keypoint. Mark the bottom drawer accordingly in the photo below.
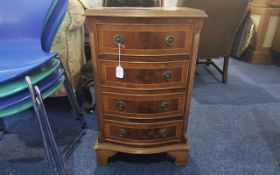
(142, 133)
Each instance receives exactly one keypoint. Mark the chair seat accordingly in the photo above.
(28, 102)
(17, 85)
(20, 58)
(43, 85)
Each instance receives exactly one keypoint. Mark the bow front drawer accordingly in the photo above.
(144, 39)
(142, 133)
(144, 106)
(146, 75)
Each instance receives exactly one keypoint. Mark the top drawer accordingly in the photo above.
(144, 39)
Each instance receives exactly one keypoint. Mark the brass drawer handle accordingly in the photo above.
(118, 39)
(163, 133)
(167, 75)
(120, 105)
(122, 132)
(164, 106)
(170, 40)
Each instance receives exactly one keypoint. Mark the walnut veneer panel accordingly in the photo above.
(145, 39)
(145, 75)
(144, 106)
(140, 134)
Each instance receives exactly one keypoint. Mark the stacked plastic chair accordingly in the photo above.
(29, 72)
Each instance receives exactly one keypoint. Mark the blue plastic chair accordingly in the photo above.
(9, 70)
(52, 24)
(25, 95)
(48, 34)
(25, 41)
(18, 85)
(24, 100)
(20, 32)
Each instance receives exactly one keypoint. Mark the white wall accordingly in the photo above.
(97, 3)
(91, 3)
(170, 3)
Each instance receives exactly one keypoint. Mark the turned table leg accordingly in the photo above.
(181, 157)
(102, 156)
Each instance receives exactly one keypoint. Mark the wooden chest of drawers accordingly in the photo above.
(147, 110)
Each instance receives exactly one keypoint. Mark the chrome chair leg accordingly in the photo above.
(73, 100)
(2, 126)
(67, 152)
(50, 152)
(71, 147)
(52, 141)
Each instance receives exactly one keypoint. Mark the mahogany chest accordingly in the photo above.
(145, 111)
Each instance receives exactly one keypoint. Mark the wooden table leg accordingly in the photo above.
(102, 156)
(208, 61)
(225, 69)
(181, 157)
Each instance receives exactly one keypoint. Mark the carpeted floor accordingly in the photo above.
(234, 129)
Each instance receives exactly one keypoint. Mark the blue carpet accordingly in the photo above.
(234, 129)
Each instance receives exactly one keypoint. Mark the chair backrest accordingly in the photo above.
(52, 24)
(132, 3)
(51, 8)
(22, 20)
(224, 18)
